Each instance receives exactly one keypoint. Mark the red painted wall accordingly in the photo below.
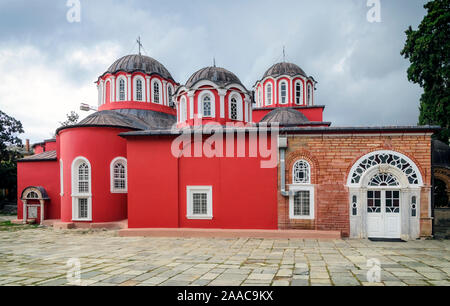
(244, 194)
(45, 174)
(100, 146)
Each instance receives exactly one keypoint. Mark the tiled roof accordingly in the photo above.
(48, 155)
(220, 76)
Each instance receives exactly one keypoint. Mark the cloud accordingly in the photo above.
(362, 77)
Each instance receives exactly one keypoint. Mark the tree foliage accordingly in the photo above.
(10, 145)
(428, 50)
(72, 118)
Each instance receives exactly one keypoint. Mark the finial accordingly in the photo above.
(139, 44)
(214, 61)
(284, 54)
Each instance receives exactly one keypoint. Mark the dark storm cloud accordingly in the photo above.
(362, 77)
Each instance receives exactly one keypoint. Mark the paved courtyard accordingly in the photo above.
(39, 256)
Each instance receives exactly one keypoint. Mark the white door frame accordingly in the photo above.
(383, 220)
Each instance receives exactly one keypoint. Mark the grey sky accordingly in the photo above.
(48, 65)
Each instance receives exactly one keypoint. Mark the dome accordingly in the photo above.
(142, 63)
(220, 76)
(285, 116)
(284, 69)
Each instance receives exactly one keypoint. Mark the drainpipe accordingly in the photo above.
(282, 146)
(432, 190)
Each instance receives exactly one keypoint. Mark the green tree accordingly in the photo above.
(428, 50)
(10, 145)
(72, 118)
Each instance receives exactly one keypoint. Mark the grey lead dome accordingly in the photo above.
(289, 69)
(143, 63)
(220, 76)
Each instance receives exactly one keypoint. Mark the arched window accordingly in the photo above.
(233, 109)
(81, 190)
(309, 95)
(301, 172)
(122, 89)
(269, 94)
(139, 95)
(32, 195)
(283, 93)
(156, 92)
(384, 180)
(298, 93)
(119, 175)
(183, 109)
(206, 106)
(169, 94)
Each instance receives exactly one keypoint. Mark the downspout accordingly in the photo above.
(432, 189)
(282, 146)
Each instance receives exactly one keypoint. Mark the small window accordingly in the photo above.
(82, 208)
(269, 94)
(156, 92)
(283, 92)
(301, 172)
(199, 202)
(121, 90)
(206, 103)
(32, 195)
(139, 90)
(298, 93)
(183, 109)
(413, 206)
(169, 94)
(301, 202)
(354, 205)
(233, 109)
(309, 95)
(119, 175)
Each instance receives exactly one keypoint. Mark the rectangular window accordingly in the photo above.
(301, 202)
(199, 202)
(82, 208)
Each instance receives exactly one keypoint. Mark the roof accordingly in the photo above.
(220, 76)
(441, 154)
(135, 119)
(284, 69)
(141, 63)
(299, 130)
(40, 189)
(285, 117)
(44, 156)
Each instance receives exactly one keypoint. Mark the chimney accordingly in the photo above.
(27, 145)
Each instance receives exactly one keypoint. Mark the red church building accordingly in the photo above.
(210, 154)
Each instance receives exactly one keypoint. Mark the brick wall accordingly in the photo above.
(331, 158)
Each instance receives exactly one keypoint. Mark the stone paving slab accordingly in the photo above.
(42, 256)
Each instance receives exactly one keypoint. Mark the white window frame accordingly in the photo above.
(200, 104)
(292, 190)
(309, 94)
(190, 190)
(266, 94)
(183, 109)
(76, 194)
(171, 89)
(122, 160)
(121, 77)
(309, 172)
(135, 79)
(298, 82)
(239, 106)
(154, 81)
(287, 93)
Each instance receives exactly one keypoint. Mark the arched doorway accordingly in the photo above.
(33, 199)
(384, 196)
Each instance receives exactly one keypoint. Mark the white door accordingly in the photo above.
(383, 214)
